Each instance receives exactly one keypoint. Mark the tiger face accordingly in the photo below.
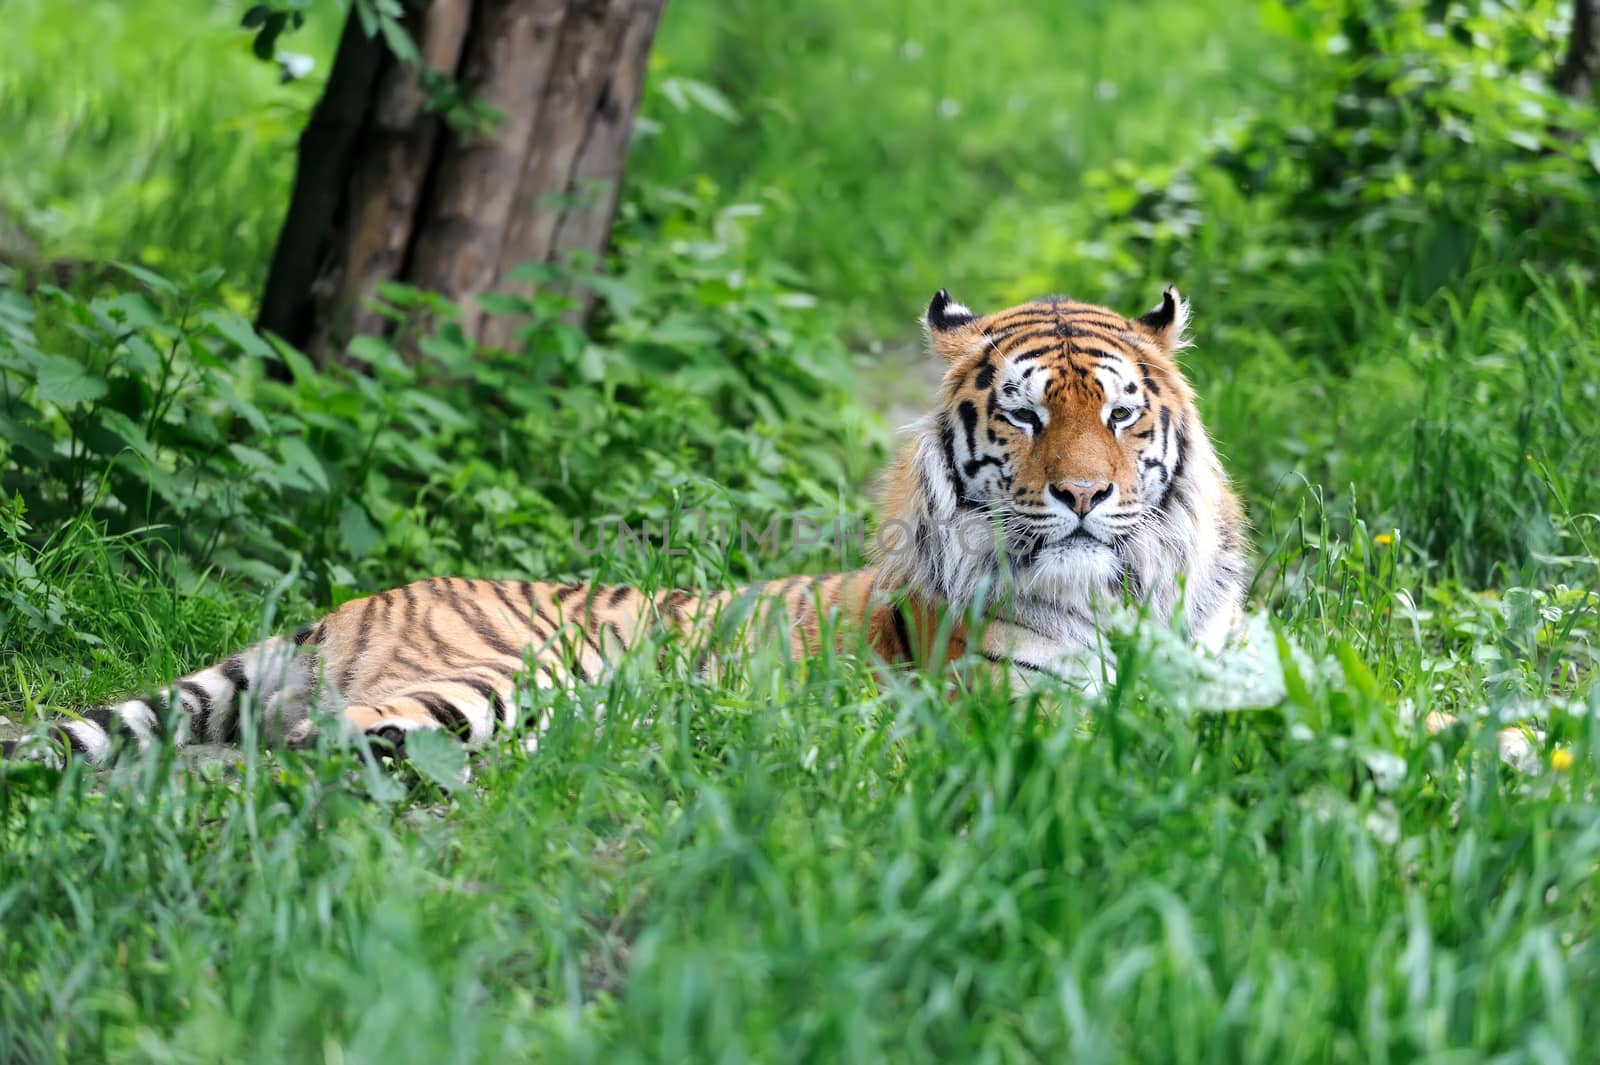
(1066, 421)
(1067, 461)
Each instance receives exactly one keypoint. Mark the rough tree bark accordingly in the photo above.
(384, 191)
(1581, 66)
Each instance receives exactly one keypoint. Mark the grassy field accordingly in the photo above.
(1387, 227)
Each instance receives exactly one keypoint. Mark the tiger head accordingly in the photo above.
(1067, 455)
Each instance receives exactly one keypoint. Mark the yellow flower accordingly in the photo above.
(1383, 539)
(1561, 759)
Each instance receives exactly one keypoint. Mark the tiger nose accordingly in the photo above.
(1082, 496)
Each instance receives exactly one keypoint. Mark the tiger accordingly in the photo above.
(1064, 470)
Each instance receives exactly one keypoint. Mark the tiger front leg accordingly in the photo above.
(1029, 657)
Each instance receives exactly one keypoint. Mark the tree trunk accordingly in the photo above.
(385, 191)
(1580, 68)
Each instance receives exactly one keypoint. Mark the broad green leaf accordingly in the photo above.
(148, 278)
(382, 786)
(448, 417)
(129, 432)
(300, 367)
(378, 353)
(16, 316)
(64, 381)
(299, 457)
(234, 328)
(245, 409)
(437, 756)
(356, 530)
(252, 458)
(139, 355)
(23, 432)
(134, 309)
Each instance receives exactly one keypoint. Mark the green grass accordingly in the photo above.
(148, 132)
(883, 138)
(801, 864)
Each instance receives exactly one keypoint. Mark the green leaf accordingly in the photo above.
(299, 457)
(622, 295)
(300, 367)
(245, 409)
(148, 278)
(381, 786)
(252, 458)
(234, 328)
(368, 17)
(356, 530)
(437, 756)
(394, 34)
(378, 353)
(672, 89)
(126, 430)
(133, 308)
(65, 381)
(1447, 248)
(23, 432)
(503, 304)
(446, 416)
(1376, 725)
(142, 357)
(592, 362)
(1356, 672)
(710, 99)
(207, 279)
(1295, 687)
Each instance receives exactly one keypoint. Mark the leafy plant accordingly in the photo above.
(711, 385)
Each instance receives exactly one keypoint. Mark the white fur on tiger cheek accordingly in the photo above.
(941, 495)
(938, 544)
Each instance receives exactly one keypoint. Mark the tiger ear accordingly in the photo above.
(951, 327)
(1169, 320)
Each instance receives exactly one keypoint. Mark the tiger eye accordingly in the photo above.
(1121, 413)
